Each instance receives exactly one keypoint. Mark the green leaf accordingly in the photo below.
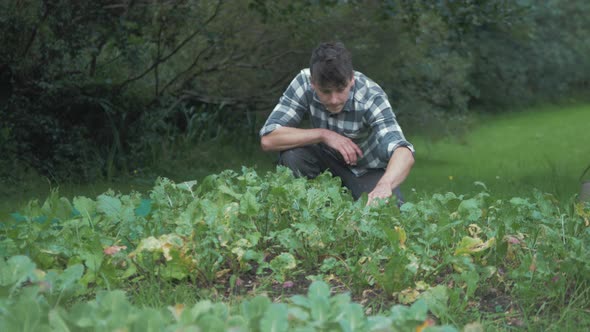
(471, 279)
(248, 204)
(436, 299)
(150, 320)
(110, 206)
(403, 315)
(520, 201)
(301, 301)
(379, 323)
(26, 314)
(18, 217)
(275, 318)
(255, 308)
(211, 322)
(470, 209)
(229, 191)
(16, 270)
(92, 260)
(354, 318)
(144, 208)
(57, 322)
(318, 289)
(85, 206)
(298, 314)
(198, 310)
(320, 309)
(70, 277)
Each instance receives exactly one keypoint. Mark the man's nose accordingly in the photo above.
(333, 98)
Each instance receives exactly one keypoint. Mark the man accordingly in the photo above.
(354, 132)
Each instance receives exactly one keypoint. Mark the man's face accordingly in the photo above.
(333, 98)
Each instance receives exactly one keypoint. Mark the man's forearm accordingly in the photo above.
(398, 168)
(285, 138)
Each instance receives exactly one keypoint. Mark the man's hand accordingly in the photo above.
(347, 148)
(396, 172)
(382, 191)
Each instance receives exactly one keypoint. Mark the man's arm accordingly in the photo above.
(284, 138)
(398, 169)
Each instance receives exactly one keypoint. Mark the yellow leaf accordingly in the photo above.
(408, 296)
(221, 273)
(474, 230)
(470, 245)
(176, 310)
(428, 322)
(402, 236)
(473, 327)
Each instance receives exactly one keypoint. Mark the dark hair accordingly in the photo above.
(331, 65)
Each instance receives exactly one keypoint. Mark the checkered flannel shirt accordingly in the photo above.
(367, 118)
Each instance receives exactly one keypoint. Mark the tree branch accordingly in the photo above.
(188, 69)
(173, 52)
(35, 29)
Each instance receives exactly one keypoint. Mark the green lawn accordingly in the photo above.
(546, 148)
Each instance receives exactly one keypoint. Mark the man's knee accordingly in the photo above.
(301, 161)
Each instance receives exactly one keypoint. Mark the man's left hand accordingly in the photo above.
(380, 192)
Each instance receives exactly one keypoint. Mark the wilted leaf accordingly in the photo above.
(402, 236)
(283, 262)
(176, 310)
(408, 296)
(470, 245)
(428, 322)
(113, 250)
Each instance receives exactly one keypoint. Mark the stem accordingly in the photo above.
(584, 172)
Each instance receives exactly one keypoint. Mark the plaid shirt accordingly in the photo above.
(367, 118)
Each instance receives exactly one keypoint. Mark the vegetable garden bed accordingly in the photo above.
(256, 242)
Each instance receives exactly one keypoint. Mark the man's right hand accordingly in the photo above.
(347, 148)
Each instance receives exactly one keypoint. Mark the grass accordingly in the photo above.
(511, 154)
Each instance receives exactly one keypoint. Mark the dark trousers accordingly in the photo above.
(311, 160)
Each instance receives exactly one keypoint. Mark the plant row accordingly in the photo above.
(447, 248)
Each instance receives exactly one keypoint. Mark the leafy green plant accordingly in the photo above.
(239, 231)
(26, 307)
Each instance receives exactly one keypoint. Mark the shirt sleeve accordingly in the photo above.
(384, 124)
(291, 107)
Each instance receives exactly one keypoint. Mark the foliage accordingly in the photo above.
(33, 300)
(139, 79)
(100, 92)
(448, 250)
